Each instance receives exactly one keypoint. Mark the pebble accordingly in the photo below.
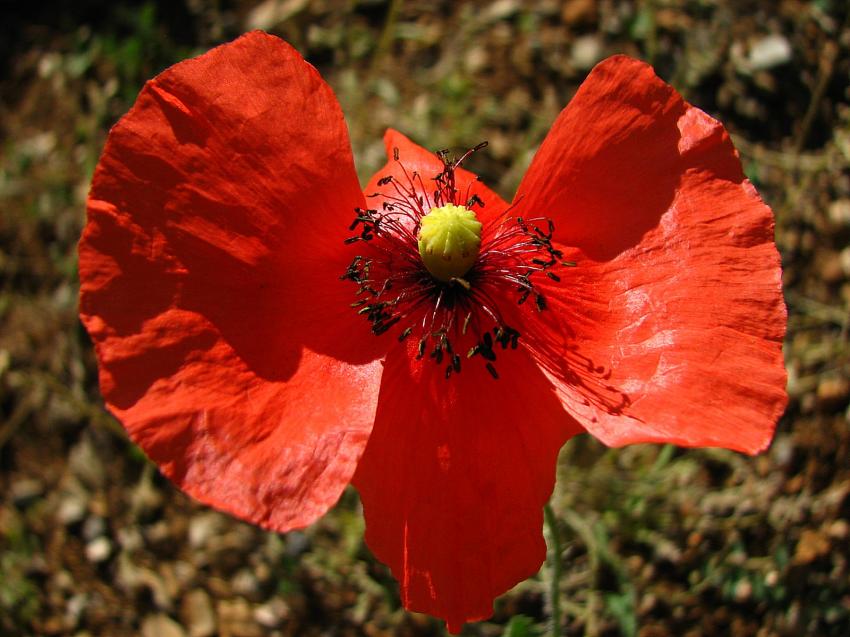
(160, 625)
(811, 546)
(578, 11)
(197, 613)
(25, 491)
(271, 13)
(130, 538)
(85, 463)
(839, 529)
(832, 391)
(72, 510)
(145, 499)
(236, 619)
(203, 527)
(272, 614)
(586, 52)
(501, 9)
(743, 590)
(838, 212)
(75, 607)
(94, 527)
(158, 535)
(99, 550)
(245, 583)
(832, 269)
(297, 542)
(63, 581)
(132, 578)
(769, 52)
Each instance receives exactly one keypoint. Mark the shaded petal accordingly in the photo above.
(454, 479)
(670, 328)
(210, 286)
(417, 168)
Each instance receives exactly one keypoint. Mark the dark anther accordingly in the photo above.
(553, 276)
(422, 343)
(456, 362)
(568, 264)
(492, 369)
(405, 333)
(540, 301)
(437, 354)
(474, 199)
(351, 240)
(395, 154)
(380, 327)
(383, 181)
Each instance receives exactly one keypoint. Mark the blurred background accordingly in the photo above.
(657, 541)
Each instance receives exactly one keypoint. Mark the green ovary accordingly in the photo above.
(449, 239)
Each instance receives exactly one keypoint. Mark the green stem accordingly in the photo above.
(555, 557)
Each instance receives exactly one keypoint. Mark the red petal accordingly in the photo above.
(425, 163)
(454, 479)
(210, 283)
(670, 329)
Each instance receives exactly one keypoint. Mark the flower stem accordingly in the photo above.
(555, 565)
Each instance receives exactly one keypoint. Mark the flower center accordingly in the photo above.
(449, 239)
(429, 270)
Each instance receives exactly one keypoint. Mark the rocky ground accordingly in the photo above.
(657, 541)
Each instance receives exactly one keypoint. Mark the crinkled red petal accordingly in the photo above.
(670, 328)
(210, 283)
(421, 166)
(454, 479)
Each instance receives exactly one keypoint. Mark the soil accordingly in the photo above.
(657, 540)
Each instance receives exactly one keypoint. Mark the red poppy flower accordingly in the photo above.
(268, 333)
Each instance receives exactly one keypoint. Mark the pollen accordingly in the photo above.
(449, 241)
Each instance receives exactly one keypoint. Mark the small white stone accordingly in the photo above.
(769, 52)
(586, 52)
(99, 550)
(271, 614)
(204, 527)
(197, 613)
(839, 212)
(161, 626)
(71, 510)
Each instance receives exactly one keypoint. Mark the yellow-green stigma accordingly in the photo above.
(449, 239)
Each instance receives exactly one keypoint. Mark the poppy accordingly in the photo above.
(268, 332)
